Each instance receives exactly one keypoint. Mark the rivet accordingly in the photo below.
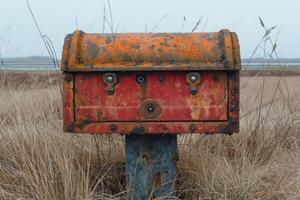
(193, 78)
(113, 127)
(193, 128)
(109, 79)
(161, 78)
(140, 79)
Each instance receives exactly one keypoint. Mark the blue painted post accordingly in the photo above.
(151, 166)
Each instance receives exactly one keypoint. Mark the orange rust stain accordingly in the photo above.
(194, 102)
(146, 50)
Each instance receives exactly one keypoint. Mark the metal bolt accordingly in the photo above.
(140, 79)
(150, 109)
(161, 78)
(109, 79)
(193, 78)
(113, 127)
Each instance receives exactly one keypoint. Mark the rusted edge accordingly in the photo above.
(68, 102)
(74, 49)
(195, 67)
(166, 128)
(226, 44)
(66, 52)
(233, 100)
(236, 50)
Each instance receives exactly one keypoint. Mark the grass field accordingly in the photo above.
(39, 161)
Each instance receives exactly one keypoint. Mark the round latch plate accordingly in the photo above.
(150, 109)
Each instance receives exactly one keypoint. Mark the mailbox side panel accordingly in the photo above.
(68, 102)
(234, 100)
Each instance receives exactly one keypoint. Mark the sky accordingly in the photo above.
(56, 18)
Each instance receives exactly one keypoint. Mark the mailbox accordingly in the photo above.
(151, 83)
(151, 87)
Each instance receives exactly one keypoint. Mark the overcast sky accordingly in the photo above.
(19, 37)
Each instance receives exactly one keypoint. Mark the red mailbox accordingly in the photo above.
(151, 83)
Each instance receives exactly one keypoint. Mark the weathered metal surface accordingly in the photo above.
(234, 100)
(151, 166)
(171, 98)
(68, 102)
(151, 51)
(214, 109)
(125, 128)
(151, 83)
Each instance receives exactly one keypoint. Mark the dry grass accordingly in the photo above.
(38, 161)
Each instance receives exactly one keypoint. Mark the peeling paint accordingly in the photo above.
(219, 51)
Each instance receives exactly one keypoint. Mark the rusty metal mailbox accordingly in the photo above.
(151, 83)
(148, 85)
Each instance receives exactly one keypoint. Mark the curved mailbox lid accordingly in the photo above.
(151, 51)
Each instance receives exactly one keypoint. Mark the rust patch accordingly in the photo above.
(70, 128)
(135, 46)
(157, 179)
(68, 101)
(143, 88)
(93, 50)
(146, 51)
(138, 130)
(83, 123)
(110, 38)
(163, 127)
(194, 102)
(147, 158)
(113, 127)
(193, 128)
(99, 115)
(68, 77)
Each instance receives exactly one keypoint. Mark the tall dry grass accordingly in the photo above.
(38, 161)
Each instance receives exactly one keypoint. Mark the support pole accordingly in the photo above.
(151, 166)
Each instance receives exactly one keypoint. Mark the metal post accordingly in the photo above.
(151, 166)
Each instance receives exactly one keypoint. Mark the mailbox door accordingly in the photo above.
(151, 96)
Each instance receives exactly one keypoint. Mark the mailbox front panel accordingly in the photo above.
(89, 107)
(159, 96)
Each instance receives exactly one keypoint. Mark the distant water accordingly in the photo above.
(260, 66)
(51, 67)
